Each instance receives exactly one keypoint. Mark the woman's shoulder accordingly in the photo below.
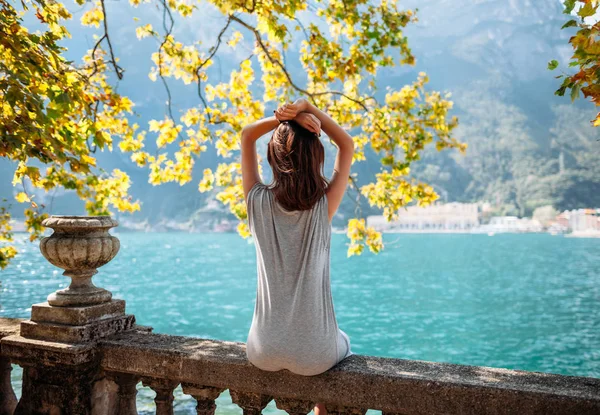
(260, 196)
(256, 187)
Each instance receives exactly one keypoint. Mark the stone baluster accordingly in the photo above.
(8, 399)
(205, 397)
(64, 389)
(251, 403)
(343, 410)
(126, 393)
(164, 394)
(294, 406)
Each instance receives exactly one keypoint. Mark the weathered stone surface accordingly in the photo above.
(8, 399)
(294, 406)
(79, 245)
(143, 329)
(251, 403)
(76, 316)
(127, 391)
(24, 351)
(77, 334)
(57, 389)
(344, 410)
(105, 398)
(390, 385)
(164, 394)
(205, 397)
(9, 326)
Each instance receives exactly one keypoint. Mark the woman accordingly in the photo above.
(294, 325)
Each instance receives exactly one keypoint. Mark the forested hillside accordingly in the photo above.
(527, 147)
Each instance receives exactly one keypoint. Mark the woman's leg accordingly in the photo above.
(320, 409)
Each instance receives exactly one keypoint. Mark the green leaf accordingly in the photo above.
(575, 92)
(561, 91)
(570, 23)
(553, 64)
(62, 98)
(569, 6)
(53, 114)
(387, 160)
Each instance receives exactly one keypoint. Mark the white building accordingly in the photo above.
(449, 217)
(583, 222)
(510, 224)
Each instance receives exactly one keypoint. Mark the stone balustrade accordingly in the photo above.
(84, 355)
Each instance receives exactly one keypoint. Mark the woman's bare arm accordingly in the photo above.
(250, 134)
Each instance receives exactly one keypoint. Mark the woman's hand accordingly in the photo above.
(290, 111)
(310, 122)
(302, 104)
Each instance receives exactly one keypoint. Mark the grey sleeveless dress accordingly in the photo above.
(294, 325)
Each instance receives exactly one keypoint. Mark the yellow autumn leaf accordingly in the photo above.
(22, 197)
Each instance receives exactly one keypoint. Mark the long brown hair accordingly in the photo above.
(296, 156)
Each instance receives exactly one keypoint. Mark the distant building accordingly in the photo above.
(510, 224)
(582, 222)
(449, 217)
(562, 220)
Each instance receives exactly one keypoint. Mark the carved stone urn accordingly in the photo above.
(79, 245)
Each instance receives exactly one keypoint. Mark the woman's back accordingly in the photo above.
(294, 325)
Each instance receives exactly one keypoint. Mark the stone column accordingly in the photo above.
(205, 397)
(61, 387)
(8, 399)
(127, 392)
(164, 394)
(294, 406)
(57, 346)
(251, 403)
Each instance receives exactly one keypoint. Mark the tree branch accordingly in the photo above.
(357, 209)
(119, 71)
(168, 30)
(213, 52)
(311, 95)
(281, 66)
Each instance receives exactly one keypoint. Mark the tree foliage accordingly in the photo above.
(586, 53)
(56, 114)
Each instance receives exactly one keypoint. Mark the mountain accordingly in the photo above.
(527, 147)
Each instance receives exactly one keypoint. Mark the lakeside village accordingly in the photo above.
(438, 218)
(478, 218)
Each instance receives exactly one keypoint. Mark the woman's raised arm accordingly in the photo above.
(250, 134)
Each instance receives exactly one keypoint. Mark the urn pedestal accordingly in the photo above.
(57, 347)
(82, 312)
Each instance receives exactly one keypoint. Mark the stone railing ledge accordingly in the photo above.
(25, 351)
(390, 385)
(9, 326)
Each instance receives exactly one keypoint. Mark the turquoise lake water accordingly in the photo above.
(528, 302)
